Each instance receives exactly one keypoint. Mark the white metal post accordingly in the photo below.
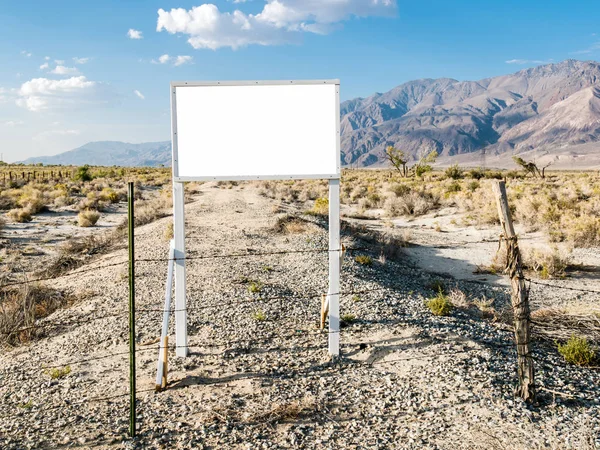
(160, 372)
(334, 267)
(180, 290)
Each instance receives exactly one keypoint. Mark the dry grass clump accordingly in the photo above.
(285, 411)
(412, 203)
(561, 324)
(147, 211)
(20, 308)
(20, 215)
(290, 224)
(88, 218)
(547, 263)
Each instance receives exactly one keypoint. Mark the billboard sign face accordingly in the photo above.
(255, 130)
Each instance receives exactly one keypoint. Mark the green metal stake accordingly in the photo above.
(132, 397)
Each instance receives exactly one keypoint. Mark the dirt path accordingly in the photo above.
(259, 375)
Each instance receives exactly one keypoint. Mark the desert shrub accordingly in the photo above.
(62, 200)
(584, 231)
(58, 372)
(547, 263)
(83, 174)
(20, 308)
(440, 305)
(20, 215)
(259, 316)
(476, 174)
(7, 201)
(151, 210)
(473, 186)
(88, 218)
(493, 175)
(400, 189)
(347, 319)
(453, 187)
(421, 170)
(358, 192)
(254, 287)
(577, 351)
(364, 260)
(33, 200)
(321, 207)
(109, 195)
(289, 224)
(415, 203)
(454, 172)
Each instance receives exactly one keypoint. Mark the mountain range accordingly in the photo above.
(550, 113)
(112, 153)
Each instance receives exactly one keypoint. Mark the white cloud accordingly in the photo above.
(528, 61)
(42, 93)
(591, 49)
(26, 54)
(182, 59)
(176, 60)
(47, 58)
(134, 34)
(44, 66)
(13, 123)
(62, 70)
(80, 60)
(59, 61)
(280, 21)
(139, 94)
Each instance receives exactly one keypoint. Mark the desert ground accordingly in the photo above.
(258, 374)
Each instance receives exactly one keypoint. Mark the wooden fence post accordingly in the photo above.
(519, 298)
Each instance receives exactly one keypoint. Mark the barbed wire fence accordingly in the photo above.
(48, 324)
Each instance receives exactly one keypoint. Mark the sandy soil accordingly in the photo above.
(407, 379)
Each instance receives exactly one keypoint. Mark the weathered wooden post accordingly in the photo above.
(519, 298)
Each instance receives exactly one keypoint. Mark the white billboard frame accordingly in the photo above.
(335, 248)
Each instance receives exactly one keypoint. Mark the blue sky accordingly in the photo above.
(72, 72)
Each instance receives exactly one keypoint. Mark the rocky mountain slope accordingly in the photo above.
(551, 109)
(550, 113)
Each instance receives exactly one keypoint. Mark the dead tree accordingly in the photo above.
(519, 298)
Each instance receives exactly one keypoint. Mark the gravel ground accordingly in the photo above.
(406, 379)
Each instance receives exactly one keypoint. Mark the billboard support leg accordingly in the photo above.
(334, 267)
(180, 281)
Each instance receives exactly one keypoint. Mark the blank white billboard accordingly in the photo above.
(255, 130)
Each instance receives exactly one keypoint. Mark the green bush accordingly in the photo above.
(453, 187)
(348, 318)
(58, 372)
(365, 260)
(454, 172)
(440, 305)
(577, 351)
(255, 287)
(83, 173)
(259, 316)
